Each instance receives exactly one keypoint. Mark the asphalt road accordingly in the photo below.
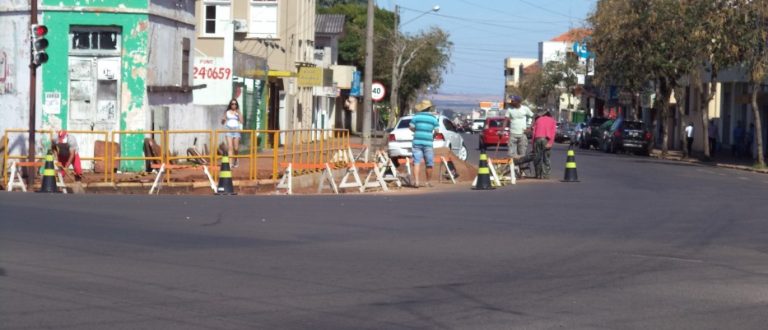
(637, 244)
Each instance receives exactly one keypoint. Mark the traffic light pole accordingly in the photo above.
(32, 97)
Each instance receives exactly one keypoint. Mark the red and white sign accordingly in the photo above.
(217, 76)
(377, 91)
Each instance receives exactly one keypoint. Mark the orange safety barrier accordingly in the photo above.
(47, 135)
(306, 146)
(160, 158)
(193, 154)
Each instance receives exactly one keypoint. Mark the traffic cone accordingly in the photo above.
(49, 176)
(225, 179)
(483, 181)
(570, 167)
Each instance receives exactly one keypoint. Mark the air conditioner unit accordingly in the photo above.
(241, 25)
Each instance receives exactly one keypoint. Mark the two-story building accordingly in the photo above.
(114, 65)
(281, 33)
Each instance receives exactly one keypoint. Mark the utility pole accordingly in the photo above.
(367, 102)
(32, 97)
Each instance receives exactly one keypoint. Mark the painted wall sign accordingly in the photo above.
(52, 103)
(217, 76)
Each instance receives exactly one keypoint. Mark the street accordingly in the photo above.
(639, 243)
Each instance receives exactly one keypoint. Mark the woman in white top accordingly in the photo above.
(233, 121)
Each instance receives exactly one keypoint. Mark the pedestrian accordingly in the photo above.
(519, 120)
(424, 125)
(543, 138)
(233, 121)
(750, 141)
(689, 137)
(738, 139)
(712, 137)
(66, 150)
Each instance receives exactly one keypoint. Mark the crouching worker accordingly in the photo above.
(65, 147)
(543, 138)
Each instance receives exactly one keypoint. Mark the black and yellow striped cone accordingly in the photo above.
(570, 167)
(483, 181)
(225, 179)
(49, 176)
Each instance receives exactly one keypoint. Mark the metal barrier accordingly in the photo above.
(305, 146)
(192, 154)
(7, 156)
(160, 158)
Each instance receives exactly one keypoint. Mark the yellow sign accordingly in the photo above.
(310, 77)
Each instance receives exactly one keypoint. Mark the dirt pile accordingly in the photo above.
(467, 171)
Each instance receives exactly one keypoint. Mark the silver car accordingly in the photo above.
(401, 139)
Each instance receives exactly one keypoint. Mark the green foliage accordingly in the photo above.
(352, 44)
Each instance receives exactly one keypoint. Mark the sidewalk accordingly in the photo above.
(722, 158)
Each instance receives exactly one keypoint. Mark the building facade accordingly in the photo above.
(114, 65)
(281, 33)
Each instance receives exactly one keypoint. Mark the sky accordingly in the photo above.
(485, 32)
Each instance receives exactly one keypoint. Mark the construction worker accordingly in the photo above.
(66, 149)
(543, 138)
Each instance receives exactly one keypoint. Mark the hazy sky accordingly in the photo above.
(484, 32)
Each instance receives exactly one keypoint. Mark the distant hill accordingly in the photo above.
(463, 103)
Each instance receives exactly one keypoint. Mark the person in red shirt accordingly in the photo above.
(67, 152)
(543, 138)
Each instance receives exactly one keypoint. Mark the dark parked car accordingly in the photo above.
(564, 132)
(495, 132)
(629, 136)
(593, 133)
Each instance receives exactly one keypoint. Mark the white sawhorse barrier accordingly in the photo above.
(286, 182)
(165, 168)
(445, 171)
(354, 174)
(15, 180)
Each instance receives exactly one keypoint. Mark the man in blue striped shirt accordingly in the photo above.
(424, 126)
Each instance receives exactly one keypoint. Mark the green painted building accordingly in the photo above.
(117, 65)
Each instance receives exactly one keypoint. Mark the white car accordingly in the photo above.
(478, 125)
(401, 139)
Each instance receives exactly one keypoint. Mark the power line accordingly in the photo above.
(477, 21)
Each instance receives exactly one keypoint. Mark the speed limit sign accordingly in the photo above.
(377, 91)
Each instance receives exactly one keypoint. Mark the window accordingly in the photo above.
(94, 39)
(185, 50)
(215, 15)
(263, 19)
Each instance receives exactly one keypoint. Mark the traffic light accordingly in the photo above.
(39, 44)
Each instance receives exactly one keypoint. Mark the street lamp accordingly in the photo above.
(434, 9)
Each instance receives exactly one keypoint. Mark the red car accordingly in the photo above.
(495, 132)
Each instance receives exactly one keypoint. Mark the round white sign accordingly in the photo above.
(377, 91)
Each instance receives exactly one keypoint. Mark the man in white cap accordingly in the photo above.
(424, 126)
(520, 118)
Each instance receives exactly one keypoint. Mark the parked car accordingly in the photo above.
(495, 132)
(627, 135)
(400, 140)
(477, 125)
(593, 133)
(564, 132)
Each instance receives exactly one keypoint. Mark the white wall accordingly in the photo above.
(14, 74)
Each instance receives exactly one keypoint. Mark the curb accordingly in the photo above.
(711, 164)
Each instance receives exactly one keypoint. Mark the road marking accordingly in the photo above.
(662, 257)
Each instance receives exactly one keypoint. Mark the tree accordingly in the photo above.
(418, 63)
(424, 56)
(753, 52)
(560, 77)
(711, 26)
(640, 41)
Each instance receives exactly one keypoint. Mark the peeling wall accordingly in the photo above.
(133, 30)
(119, 4)
(14, 74)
